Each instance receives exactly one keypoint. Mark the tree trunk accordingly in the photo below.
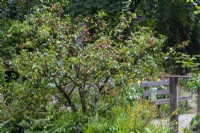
(82, 98)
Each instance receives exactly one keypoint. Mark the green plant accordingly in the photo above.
(193, 83)
(85, 65)
(156, 129)
(195, 123)
(2, 72)
(185, 130)
(165, 109)
(135, 118)
(65, 58)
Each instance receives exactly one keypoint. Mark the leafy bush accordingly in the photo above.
(76, 64)
(83, 65)
(193, 83)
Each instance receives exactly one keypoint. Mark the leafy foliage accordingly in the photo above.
(81, 65)
(54, 53)
(2, 73)
(195, 123)
(177, 21)
(77, 63)
(133, 119)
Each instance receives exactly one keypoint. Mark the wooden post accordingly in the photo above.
(145, 88)
(173, 94)
(198, 101)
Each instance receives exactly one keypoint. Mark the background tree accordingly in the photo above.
(175, 20)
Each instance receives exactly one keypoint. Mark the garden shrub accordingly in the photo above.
(80, 64)
(80, 67)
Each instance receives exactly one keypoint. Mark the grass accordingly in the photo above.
(165, 109)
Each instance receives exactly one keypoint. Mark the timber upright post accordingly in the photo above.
(173, 95)
(173, 100)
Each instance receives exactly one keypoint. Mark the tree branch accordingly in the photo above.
(134, 5)
(103, 85)
(67, 97)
